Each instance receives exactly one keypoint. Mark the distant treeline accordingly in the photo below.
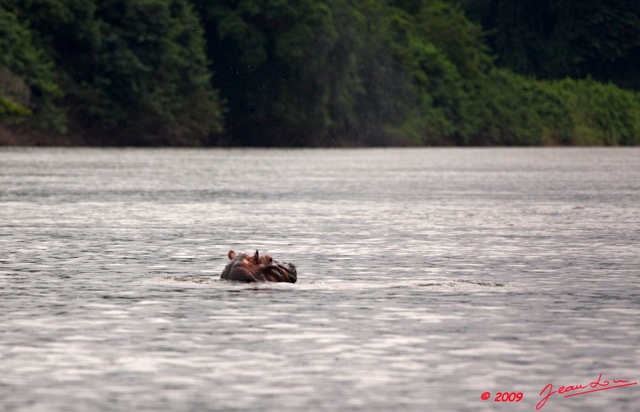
(320, 72)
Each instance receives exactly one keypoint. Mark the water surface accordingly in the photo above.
(426, 277)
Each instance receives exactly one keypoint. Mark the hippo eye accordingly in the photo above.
(269, 259)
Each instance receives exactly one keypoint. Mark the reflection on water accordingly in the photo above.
(426, 277)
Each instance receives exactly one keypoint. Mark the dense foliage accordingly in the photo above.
(133, 70)
(321, 72)
(559, 38)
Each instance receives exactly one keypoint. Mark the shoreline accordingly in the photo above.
(11, 137)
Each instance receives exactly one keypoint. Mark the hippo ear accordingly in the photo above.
(256, 258)
(231, 255)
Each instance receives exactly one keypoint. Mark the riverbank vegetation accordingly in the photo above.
(319, 72)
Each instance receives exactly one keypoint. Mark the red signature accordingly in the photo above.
(594, 386)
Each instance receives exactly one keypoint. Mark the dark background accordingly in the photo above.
(319, 72)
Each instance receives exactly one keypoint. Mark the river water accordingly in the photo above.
(426, 277)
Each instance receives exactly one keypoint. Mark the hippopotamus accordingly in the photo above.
(256, 268)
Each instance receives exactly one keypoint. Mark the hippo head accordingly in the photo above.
(256, 268)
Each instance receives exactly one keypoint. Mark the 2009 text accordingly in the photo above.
(503, 396)
(508, 397)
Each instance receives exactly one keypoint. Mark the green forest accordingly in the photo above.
(320, 72)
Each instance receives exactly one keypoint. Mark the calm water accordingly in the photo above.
(426, 277)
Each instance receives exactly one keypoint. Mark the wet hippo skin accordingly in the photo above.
(246, 268)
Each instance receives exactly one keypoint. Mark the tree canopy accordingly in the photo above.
(554, 39)
(322, 72)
